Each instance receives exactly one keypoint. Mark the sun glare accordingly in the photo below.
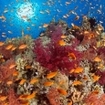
(26, 11)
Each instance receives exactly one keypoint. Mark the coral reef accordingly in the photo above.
(63, 66)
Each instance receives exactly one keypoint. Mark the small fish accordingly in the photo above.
(45, 25)
(31, 95)
(77, 17)
(23, 46)
(15, 73)
(62, 91)
(8, 47)
(95, 77)
(61, 82)
(10, 32)
(12, 66)
(22, 81)
(34, 80)
(72, 56)
(75, 27)
(63, 36)
(9, 82)
(97, 59)
(67, 3)
(3, 18)
(58, 10)
(3, 35)
(1, 44)
(3, 98)
(51, 75)
(62, 43)
(27, 96)
(75, 83)
(6, 10)
(78, 70)
(65, 16)
(48, 83)
(47, 11)
(42, 12)
(13, 48)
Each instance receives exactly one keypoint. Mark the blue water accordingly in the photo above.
(44, 12)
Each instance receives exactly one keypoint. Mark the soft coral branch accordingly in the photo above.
(54, 57)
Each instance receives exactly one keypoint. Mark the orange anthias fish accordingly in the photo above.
(22, 47)
(45, 25)
(12, 66)
(8, 47)
(97, 59)
(22, 81)
(78, 70)
(48, 83)
(1, 44)
(75, 83)
(72, 56)
(3, 98)
(51, 75)
(63, 36)
(9, 82)
(27, 96)
(15, 73)
(62, 91)
(95, 77)
(62, 43)
(34, 80)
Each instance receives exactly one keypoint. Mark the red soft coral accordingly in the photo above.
(102, 77)
(54, 56)
(95, 99)
(6, 71)
(7, 54)
(13, 100)
(53, 96)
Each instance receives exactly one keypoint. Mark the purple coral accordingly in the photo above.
(102, 77)
(54, 57)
